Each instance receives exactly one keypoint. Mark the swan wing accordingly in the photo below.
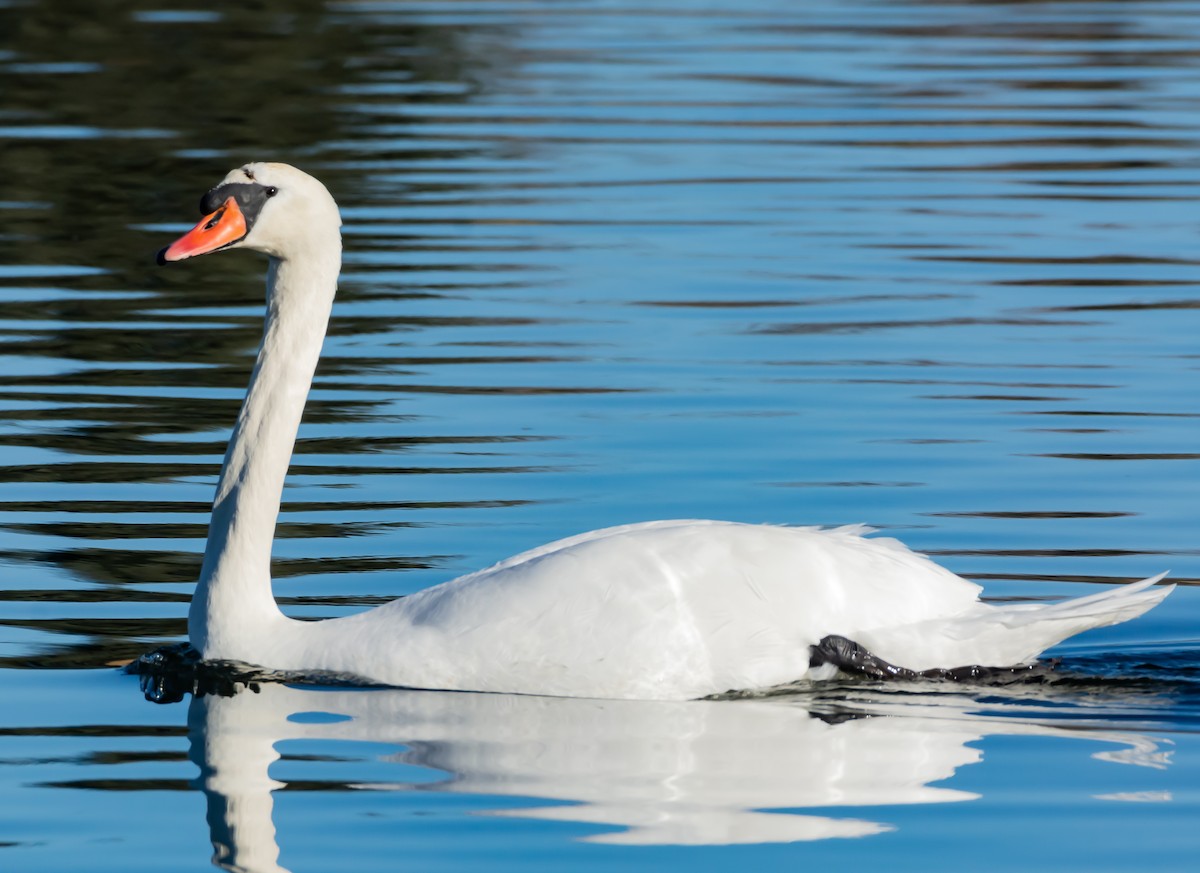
(664, 609)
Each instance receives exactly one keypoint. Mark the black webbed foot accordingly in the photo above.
(849, 657)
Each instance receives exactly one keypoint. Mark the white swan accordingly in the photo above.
(666, 609)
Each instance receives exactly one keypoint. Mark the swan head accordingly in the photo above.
(267, 207)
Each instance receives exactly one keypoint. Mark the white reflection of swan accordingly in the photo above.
(680, 773)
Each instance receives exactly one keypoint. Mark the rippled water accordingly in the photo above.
(929, 266)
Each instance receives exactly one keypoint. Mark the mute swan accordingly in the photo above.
(664, 609)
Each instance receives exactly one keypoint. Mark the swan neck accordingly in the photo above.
(234, 603)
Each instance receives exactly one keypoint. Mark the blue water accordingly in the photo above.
(927, 266)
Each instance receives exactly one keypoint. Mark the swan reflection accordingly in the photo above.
(681, 773)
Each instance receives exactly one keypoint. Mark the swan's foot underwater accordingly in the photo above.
(847, 656)
(169, 673)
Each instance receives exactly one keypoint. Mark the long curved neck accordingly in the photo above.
(233, 603)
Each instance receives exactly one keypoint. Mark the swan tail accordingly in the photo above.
(1011, 634)
(1106, 607)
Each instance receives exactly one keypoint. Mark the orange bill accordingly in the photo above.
(222, 228)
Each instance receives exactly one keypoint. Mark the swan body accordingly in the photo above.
(664, 609)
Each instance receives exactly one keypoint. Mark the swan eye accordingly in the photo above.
(272, 190)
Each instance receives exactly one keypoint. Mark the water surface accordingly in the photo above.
(928, 266)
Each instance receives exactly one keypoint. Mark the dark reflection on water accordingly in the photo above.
(922, 265)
